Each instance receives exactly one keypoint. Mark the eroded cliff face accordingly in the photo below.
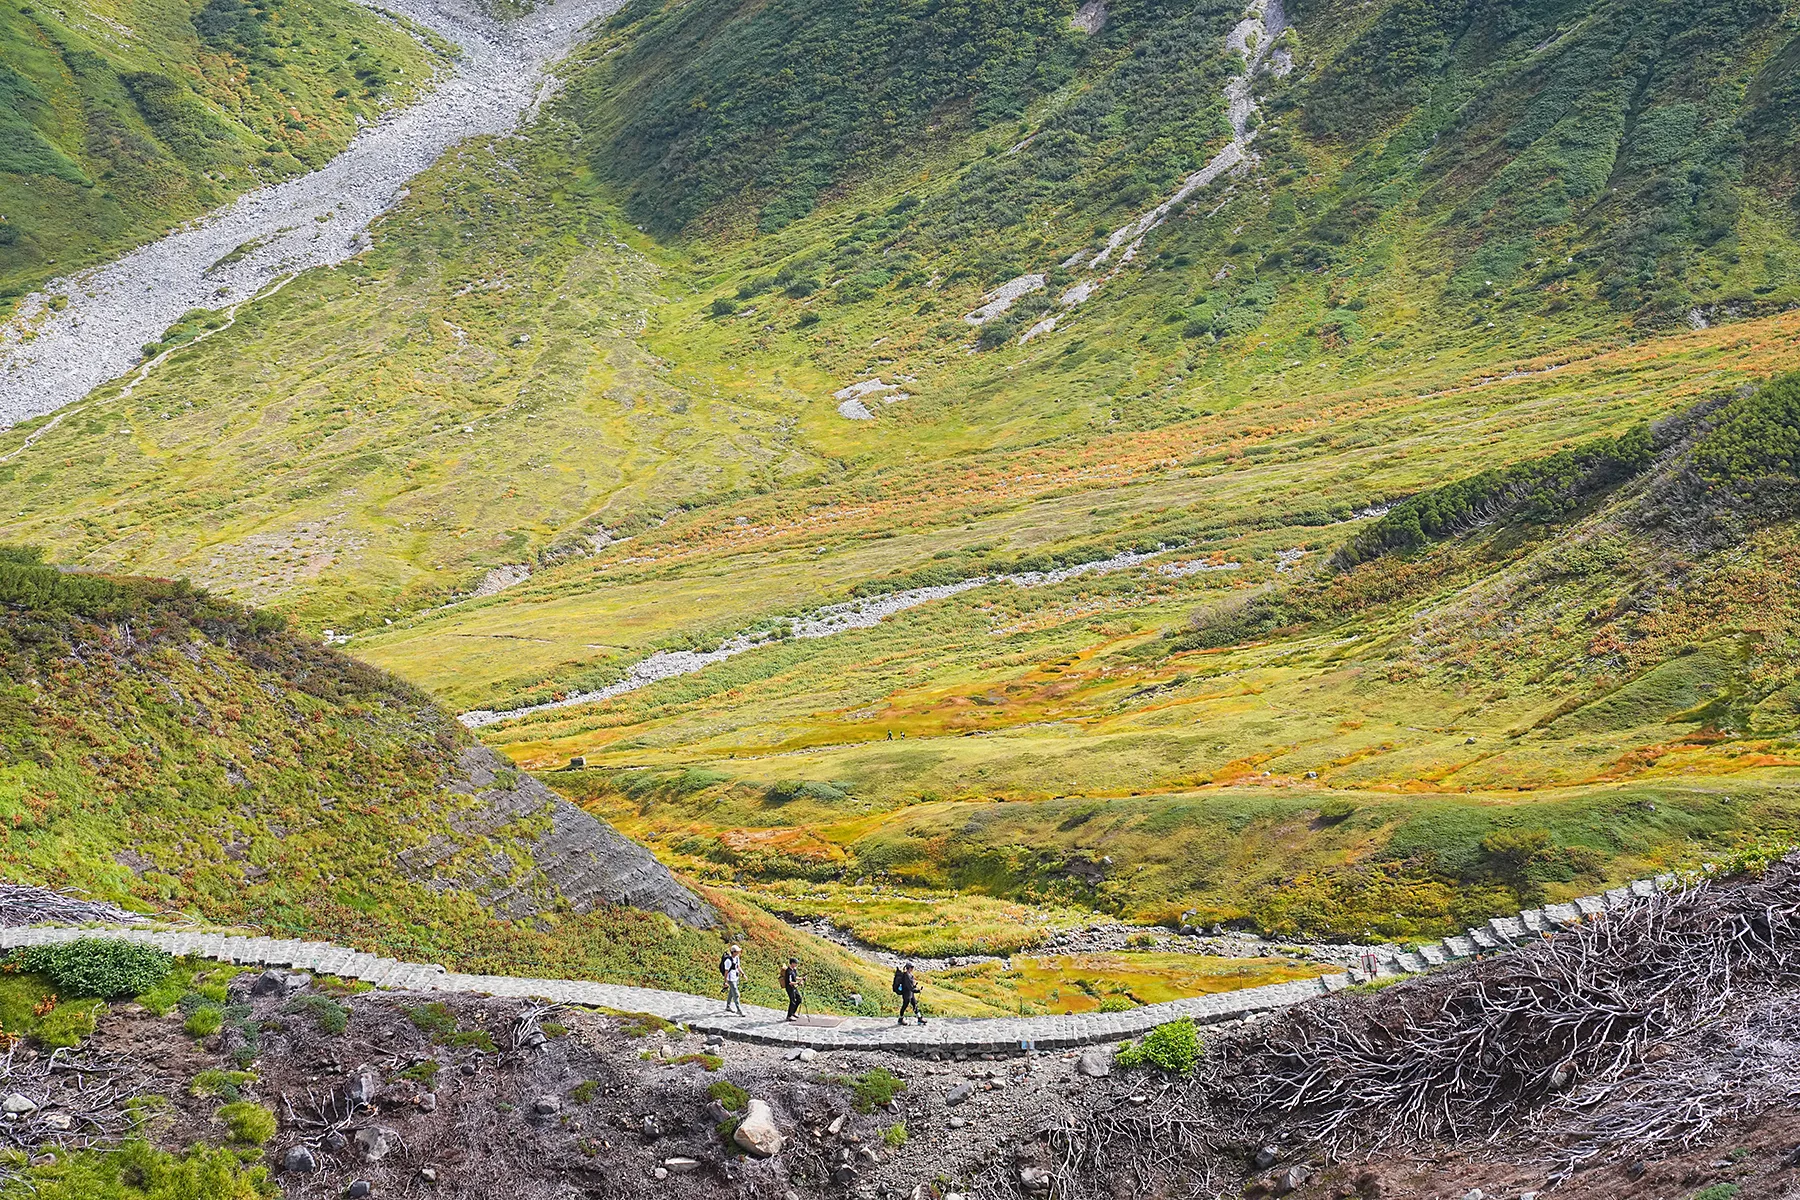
(544, 851)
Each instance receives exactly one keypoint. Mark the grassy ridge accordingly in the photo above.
(119, 118)
(168, 750)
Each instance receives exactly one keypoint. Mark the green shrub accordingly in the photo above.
(895, 1136)
(1114, 1004)
(438, 1021)
(435, 1019)
(1173, 1049)
(205, 1021)
(733, 1097)
(330, 1016)
(724, 306)
(1538, 491)
(213, 1084)
(99, 967)
(875, 1088)
(250, 1123)
(424, 1073)
(139, 1171)
(584, 1092)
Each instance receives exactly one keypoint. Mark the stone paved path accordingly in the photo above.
(975, 1035)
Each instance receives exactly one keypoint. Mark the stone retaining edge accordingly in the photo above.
(764, 1026)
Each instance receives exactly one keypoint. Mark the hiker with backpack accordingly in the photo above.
(731, 970)
(906, 986)
(790, 981)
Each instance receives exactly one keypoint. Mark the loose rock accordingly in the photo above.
(757, 1133)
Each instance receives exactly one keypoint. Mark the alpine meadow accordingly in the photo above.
(1115, 504)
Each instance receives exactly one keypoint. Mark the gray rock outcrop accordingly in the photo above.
(577, 859)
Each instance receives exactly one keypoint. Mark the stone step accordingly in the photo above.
(1561, 915)
(1460, 947)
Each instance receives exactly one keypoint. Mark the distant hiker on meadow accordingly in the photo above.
(906, 986)
(731, 969)
(790, 980)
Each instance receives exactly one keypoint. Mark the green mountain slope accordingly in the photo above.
(698, 352)
(169, 751)
(118, 120)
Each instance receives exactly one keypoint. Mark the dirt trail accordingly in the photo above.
(52, 357)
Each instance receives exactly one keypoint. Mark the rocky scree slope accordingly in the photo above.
(118, 120)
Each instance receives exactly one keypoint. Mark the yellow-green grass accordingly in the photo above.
(1075, 983)
(30, 1008)
(707, 575)
(927, 924)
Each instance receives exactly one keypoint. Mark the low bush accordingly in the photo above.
(733, 1097)
(99, 967)
(330, 1016)
(875, 1088)
(1173, 1049)
(250, 1123)
(213, 1084)
(424, 1073)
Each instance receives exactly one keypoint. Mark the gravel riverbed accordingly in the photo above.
(51, 357)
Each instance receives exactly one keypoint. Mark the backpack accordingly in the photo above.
(725, 966)
(899, 982)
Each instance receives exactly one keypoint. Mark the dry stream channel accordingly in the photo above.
(51, 357)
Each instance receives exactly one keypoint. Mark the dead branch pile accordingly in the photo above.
(23, 905)
(77, 1099)
(1465, 1054)
(1746, 1064)
(1549, 1040)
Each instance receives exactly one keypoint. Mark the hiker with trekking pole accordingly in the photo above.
(906, 986)
(790, 980)
(731, 970)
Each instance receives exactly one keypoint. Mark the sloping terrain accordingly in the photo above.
(118, 120)
(943, 445)
(1652, 1049)
(172, 752)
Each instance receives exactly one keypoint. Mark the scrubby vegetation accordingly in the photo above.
(139, 1171)
(98, 967)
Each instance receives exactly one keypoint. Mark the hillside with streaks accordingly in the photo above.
(1315, 467)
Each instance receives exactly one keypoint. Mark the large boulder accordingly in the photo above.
(756, 1133)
